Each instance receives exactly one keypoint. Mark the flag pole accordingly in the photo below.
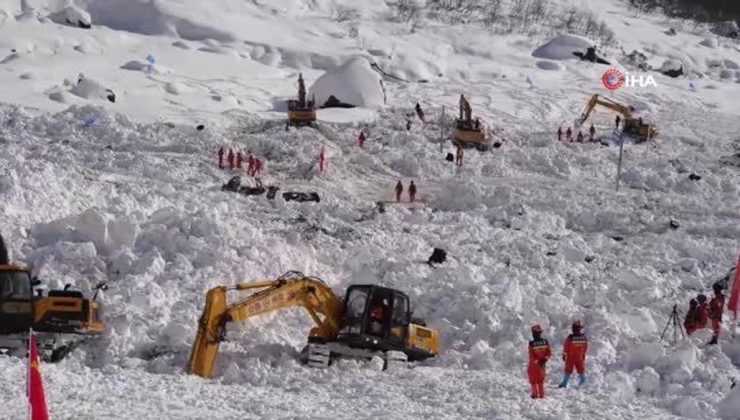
(28, 375)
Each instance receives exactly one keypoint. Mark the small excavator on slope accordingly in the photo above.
(371, 320)
(632, 126)
(468, 132)
(301, 112)
(54, 317)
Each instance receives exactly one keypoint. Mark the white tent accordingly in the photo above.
(354, 83)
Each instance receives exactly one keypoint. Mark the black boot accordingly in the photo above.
(714, 340)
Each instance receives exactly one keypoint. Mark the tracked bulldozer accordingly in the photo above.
(370, 321)
(62, 318)
(633, 126)
(469, 132)
(301, 112)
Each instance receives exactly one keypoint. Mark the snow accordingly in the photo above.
(354, 83)
(129, 193)
(562, 47)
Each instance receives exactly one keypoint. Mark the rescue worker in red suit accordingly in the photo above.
(539, 354)
(250, 164)
(412, 191)
(257, 166)
(574, 354)
(560, 133)
(399, 191)
(239, 159)
(690, 321)
(377, 317)
(231, 159)
(716, 306)
(221, 158)
(702, 312)
(361, 139)
(569, 134)
(322, 159)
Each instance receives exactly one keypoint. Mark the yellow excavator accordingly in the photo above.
(371, 320)
(469, 132)
(301, 112)
(632, 126)
(54, 317)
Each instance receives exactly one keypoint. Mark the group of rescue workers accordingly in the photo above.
(412, 191)
(254, 164)
(575, 347)
(579, 136)
(576, 344)
(699, 313)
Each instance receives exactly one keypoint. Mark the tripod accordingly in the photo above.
(674, 318)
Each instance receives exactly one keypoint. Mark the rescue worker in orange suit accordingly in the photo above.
(539, 354)
(257, 166)
(560, 133)
(221, 158)
(569, 134)
(574, 354)
(412, 191)
(250, 164)
(459, 156)
(399, 191)
(716, 306)
(690, 321)
(377, 317)
(702, 312)
(361, 139)
(231, 159)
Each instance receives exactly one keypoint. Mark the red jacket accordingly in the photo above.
(716, 306)
(702, 315)
(539, 352)
(575, 347)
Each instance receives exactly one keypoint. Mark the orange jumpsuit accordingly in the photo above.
(574, 353)
(716, 306)
(539, 354)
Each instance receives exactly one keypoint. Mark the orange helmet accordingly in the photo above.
(536, 328)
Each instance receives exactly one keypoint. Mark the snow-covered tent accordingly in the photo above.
(562, 47)
(354, 83)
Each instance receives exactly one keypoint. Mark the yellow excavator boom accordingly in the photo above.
(625, 111)
(291, 289)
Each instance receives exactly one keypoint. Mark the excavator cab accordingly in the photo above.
(379, 318)
(16, 299)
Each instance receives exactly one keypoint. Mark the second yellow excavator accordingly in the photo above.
(371, 320)
(632, 126)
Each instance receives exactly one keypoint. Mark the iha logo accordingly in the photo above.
(613, 79)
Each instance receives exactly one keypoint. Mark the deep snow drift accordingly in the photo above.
(129, 192)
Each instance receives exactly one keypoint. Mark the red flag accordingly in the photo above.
(36, 397)
(735, 292)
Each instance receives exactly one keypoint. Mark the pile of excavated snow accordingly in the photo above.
(354, 83)
(562, 47)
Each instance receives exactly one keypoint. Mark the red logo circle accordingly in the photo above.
(612, 79)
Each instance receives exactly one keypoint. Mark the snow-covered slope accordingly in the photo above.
(129, 192)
